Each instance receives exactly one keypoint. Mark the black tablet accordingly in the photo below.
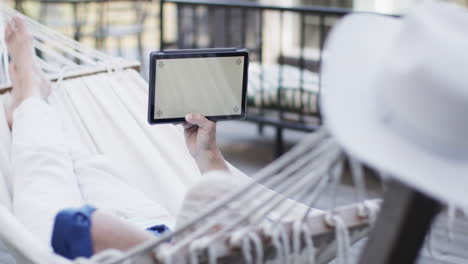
(211, 82)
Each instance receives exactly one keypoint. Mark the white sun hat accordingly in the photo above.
(395, 95)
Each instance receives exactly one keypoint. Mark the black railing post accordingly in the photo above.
(212, 24)
(302, 67)
(279, 144)
(281, 64)
(243, 27)
(227, 27)
(260, 61)
(161, 24)
(319, 69)
(195, 26)
(76, 22)
(405, 218)
(279, 95)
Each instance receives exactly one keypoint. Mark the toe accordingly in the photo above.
(8, 31)
(19, 24)
(9, 25)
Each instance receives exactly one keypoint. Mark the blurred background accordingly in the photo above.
(131, 29)
(285, 39)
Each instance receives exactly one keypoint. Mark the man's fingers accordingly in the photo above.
(7, 31)
(186, 125)
(195, 119)
(199, 120)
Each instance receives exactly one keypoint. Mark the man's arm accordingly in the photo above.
(200, 137)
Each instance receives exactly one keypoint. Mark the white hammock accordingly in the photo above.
(103, 100)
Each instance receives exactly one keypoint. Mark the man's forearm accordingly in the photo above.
(211, 160)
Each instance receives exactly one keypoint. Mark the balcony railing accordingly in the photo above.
(285, 45)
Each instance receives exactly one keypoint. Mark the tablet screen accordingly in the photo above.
(212, 86)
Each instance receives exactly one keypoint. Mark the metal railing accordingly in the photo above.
(270, 33)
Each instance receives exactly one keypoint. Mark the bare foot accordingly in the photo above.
(27, 79)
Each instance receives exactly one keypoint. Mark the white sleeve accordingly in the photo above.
(214, 184)
(294, 208)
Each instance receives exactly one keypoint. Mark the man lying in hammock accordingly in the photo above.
(43, 156)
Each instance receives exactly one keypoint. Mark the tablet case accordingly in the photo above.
(153, 110)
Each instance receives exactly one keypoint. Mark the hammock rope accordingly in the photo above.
(61, 51)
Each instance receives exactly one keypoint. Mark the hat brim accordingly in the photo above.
(353, 53)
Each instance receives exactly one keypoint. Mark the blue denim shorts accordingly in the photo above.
(71, 235)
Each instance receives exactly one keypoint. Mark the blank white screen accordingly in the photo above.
(209, 86)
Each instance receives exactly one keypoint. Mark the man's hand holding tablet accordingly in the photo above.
(211, 82)
(200, 137)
